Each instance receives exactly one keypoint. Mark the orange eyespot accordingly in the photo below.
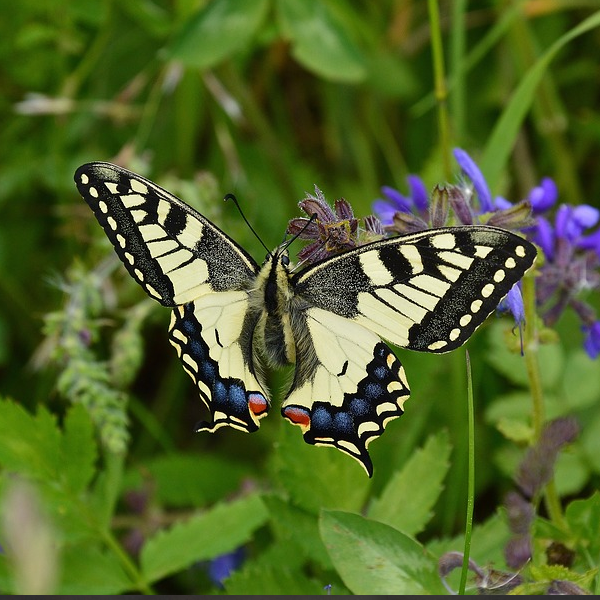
(257, 404)
(298, 416)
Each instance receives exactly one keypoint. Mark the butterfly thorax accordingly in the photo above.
(273, 298)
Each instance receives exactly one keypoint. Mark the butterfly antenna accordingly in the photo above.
(295, 237)
(235, 201)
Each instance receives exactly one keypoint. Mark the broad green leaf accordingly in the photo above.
(30, 444)
(293, 525)
(88, 570)
(319, 41)
(273, 580)
(487, 541)
(516, 407)
(221, 529)
(512, 365)
(6, 578)
(581, 381)
(590, 441)
(189, 479)
(515, 430)
(504, 135)
(78, 450)
(373, 558)
(407, 500)
(318, 477)
(219, 30)
(571, 472)
(583, 517)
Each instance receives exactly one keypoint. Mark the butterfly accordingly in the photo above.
(425, 291)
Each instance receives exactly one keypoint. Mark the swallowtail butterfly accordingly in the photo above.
(424, 291)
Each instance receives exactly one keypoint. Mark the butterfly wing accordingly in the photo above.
(347, 385)
(171, 250)
(184, 261)
(426, 291)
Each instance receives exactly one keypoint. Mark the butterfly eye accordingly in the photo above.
(285, 260)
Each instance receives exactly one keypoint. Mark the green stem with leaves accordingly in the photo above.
(531, 349)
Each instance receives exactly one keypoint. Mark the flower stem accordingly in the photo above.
(531, 348)
(471, 481)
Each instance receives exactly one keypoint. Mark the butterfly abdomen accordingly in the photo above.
(272, 296)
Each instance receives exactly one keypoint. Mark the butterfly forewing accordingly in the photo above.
(171, 250)
(426, 291)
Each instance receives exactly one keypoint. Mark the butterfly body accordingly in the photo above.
(426, 291)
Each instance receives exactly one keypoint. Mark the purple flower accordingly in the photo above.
(416, 202)
(571, 266)
(472, 171)
(221, 567)
(591, 343)
(544, 196)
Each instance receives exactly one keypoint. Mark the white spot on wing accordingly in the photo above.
(482, 251)
(445, 241)
(437, 345)
(499, 275)
(487, 290)
(138, 186)
(476, 306)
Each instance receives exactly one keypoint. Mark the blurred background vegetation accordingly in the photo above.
(266, 99)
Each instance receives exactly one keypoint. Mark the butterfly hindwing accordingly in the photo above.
(426, 291)
(213, 339)
(347, 385)
(170, 249)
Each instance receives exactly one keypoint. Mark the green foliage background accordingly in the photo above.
(104, 487)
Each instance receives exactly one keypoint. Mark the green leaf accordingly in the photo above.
(219, 30)
(504, 135)
(406, 505)
(221, 529)
(581, 381)
(88, 570)
(318, 477)
(273, 580)
(512, 365)
(319, 42)
(373, 558)
(78, 449)
(293, 525)
(583, 517)
(30, 444)
(189, 479)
